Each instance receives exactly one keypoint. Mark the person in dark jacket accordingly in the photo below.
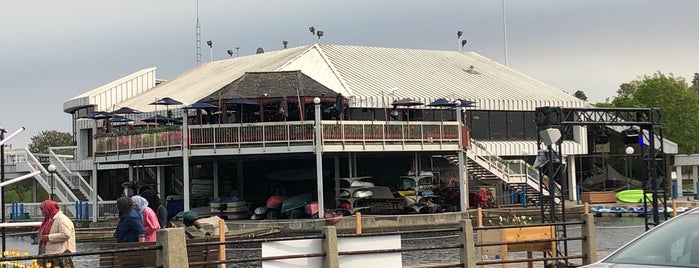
(130, 226)
(156, 205)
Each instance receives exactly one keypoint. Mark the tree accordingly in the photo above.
(49, 138)
(678, 102)
(580, 95)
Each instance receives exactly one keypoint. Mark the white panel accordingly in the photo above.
(385, 260)
(292, 247)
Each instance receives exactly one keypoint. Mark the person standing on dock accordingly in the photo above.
(150, 220)
(156, 205)
(130, 226)
(56, 234)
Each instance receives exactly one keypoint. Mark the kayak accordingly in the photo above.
(633, 196)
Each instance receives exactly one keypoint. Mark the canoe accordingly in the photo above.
(633, 196)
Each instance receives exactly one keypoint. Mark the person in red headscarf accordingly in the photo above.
(56, 233)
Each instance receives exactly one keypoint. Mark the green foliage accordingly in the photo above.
(678, 102)
(149, 130)
(580, 95)
(22, 192)
(49, 138)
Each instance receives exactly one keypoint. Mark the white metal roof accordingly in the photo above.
(374, 77)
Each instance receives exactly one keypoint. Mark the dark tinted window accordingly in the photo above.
(515, 125)
(480, 124)
(498, 125)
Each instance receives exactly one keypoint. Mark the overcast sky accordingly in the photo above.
(52, 51)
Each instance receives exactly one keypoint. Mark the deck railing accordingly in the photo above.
(272, 134)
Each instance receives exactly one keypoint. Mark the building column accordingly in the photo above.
(185, 164)
(678, 171)
(240, 179)
(95, 204)
(215, 173)
(694, 180)
(572, 181)
(159, 174)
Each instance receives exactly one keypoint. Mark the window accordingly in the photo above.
(515, 125)
(498, 125)
(480, 125)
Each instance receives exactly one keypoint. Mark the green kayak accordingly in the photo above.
(633, 196)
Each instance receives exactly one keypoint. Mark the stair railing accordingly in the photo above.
(60, 189)
(74, 179)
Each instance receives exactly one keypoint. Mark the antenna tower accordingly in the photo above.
(198, 36)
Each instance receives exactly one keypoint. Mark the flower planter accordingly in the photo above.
(517, 234)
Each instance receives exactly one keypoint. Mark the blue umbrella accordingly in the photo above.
(200, 105)
(442, 102)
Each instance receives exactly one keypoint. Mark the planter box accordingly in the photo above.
(517, 234)
(598, 197)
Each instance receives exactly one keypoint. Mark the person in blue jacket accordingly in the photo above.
(130, 226)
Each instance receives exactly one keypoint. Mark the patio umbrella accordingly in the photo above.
(126, 110)
(407, 102)
(208, 107)
(167, 101)
(467, 103)
(241, 102)
(160, 118)
(442, 102)
(96, 115)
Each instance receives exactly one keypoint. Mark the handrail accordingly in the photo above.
(75, 177)
(63, 192)
(503, 166)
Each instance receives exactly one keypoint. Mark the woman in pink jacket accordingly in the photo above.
(150, 220)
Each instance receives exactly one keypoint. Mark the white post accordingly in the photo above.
(678, 173)
(185, 164)
(319, 159)
(463, 177)
(93, 179)
(572, 184)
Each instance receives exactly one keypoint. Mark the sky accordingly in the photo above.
(52, 51)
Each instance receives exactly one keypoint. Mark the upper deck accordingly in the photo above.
(279, 137)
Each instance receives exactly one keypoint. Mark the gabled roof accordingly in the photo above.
(374, 77)
(272, 84)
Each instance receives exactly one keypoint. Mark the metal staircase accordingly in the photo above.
(487, 167)
(60, 189)
(76, 183)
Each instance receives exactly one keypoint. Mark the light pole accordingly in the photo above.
(629, 151)
(52, 172)
(2, 189)
(319, 158)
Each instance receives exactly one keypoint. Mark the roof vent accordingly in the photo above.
(260, 50)
(471, 70)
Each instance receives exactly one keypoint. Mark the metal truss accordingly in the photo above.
(649, 120)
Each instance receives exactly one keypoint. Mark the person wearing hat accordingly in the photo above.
(192, 229)
(130, 226)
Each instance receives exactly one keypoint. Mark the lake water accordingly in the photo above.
(612, 232)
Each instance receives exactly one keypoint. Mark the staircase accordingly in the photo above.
(60, 189)
(75, 182)
(489, 168)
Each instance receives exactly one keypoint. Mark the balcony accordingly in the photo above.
(281, 137)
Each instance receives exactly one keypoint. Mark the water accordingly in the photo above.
(612, 232)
